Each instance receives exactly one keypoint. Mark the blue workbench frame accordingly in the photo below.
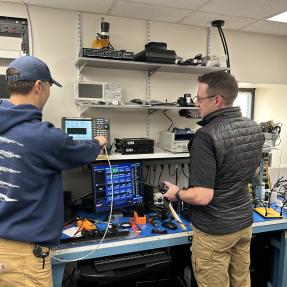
(71, 252)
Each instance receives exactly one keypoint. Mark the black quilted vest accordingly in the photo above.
(238, 144)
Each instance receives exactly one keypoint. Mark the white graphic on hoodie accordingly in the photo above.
(4, 184)
(8, 154)
(5, 140)
(3, 197)
(5, 169)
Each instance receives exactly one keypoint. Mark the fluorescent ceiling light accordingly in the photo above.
(279, 18)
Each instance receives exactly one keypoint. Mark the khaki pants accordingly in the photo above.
(19, 267)
(222, 260)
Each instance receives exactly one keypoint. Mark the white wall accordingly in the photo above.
(255, 58)
(270, 104)
(258, 58)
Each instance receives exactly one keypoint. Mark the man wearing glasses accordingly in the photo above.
(224, 155)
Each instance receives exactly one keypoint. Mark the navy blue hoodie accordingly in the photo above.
(32, 155)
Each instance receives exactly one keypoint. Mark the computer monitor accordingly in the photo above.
(127, 185)
(78, 128)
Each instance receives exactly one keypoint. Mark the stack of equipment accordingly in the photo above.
(134, 145)
(156, 52)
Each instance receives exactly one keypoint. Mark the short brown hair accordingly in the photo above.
(221, 83)
(18, 87)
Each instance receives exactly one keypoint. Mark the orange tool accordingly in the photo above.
(84, 224)
(139, 219)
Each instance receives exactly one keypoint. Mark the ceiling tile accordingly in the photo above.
(267, 27)
(258, 9)
(237, 14)
(205, 19)
(14, 1)
(184, 4)
(96, 6)
(140, 11)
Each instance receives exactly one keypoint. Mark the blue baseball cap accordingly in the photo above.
(31, 69)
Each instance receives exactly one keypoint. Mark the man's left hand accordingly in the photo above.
(172, 190)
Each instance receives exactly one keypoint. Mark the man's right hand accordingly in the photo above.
(172, 190)
(102, 140)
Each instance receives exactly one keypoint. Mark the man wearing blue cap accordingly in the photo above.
(33, 154)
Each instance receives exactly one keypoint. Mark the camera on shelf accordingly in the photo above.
(196, 61)
(185, 101)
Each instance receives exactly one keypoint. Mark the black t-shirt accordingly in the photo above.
(202, 169)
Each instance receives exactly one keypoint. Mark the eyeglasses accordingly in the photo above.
(199, 99)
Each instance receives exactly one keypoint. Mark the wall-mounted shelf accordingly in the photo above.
(137, 107)
(143, 66)
(150, 109)
(158, 154)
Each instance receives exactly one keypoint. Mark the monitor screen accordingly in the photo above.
(91, 90)
(79, 129)
(127, 185)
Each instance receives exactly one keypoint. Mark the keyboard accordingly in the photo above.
(130, 259)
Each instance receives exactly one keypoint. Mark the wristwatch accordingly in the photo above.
(177, 195)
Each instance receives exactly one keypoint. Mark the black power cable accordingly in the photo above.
(176, 175)
(182, 168)
(162, 167)
(169, 170)
(219, 24)
(271, 190)
(256, 199)
(172, 124)
(224, 41)
(147, 174)
(154, 175)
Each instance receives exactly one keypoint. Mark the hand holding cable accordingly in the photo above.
(170, 195)
(172, 191)
(102, 140)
